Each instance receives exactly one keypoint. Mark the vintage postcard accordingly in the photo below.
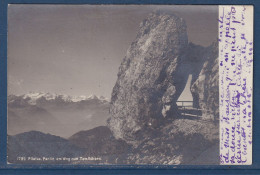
(130, 84)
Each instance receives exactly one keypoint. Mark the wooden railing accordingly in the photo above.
(182, 103)
(187, 106)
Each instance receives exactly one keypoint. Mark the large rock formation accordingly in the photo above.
(149, 82)
(154, 73)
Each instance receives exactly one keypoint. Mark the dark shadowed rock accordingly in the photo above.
(98, 142)
(205, 89)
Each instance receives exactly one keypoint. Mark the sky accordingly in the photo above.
(77, 49)
(186, 93)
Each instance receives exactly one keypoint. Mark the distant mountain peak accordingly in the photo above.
(34, 96)
(92, 97)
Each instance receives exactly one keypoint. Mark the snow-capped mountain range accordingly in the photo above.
(33, 97)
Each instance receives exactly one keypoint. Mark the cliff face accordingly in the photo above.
(205, 89)
(148, 81)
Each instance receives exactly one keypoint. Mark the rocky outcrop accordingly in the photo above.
(149, 81)
(180, 142)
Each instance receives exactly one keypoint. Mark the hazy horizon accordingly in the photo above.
(77, 49)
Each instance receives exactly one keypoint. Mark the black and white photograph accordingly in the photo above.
(113, 84)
